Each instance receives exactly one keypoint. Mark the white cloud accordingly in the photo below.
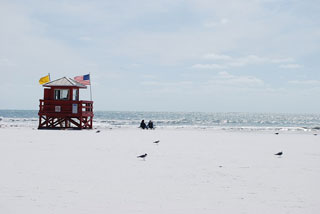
(225, 75)
(291, 66)
(163, 37)
(90, 64)
(226, 61)
(246, 81)
(174, 87)
(209, 66)
(247, 60)
(211, 24)
(305, 82)
(281, 60)
(150, 83)
(6, 62)
(214, 56)
(148, 76)
(85, 38)
(226, 79)
(254, 59)
(224, 21)
(176, 84)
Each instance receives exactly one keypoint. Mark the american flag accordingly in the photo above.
(84, 79)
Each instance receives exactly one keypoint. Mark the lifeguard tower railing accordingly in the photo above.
(60, 114)
(66, 107)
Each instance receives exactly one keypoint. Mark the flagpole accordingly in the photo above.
(49, 77)
(90, 87)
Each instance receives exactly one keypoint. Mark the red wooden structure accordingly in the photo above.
(61, 108)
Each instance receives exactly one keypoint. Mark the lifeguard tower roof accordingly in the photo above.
(64, 81)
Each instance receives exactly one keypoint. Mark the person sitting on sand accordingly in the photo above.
(143, 125)
(150, 124)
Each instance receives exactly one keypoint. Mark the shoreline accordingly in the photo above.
(294, 130)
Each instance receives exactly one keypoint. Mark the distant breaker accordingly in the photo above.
(61, 108)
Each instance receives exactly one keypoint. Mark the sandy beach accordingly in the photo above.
(227, 85)
(188, 171)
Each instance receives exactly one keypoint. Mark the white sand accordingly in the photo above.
(189, 171)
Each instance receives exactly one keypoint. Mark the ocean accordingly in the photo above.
(196, 120)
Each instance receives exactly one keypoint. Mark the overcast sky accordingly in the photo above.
(169, 55)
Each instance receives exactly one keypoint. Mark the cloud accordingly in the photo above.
(305, 82)
(172, 87)
(174, 84)
(281, 60)
(212, 24)
(225, 75)
(247, 60)
(227, 79)
(214, 56)
(254, 59)
(148, 76)
(6, 62)
(291, 66)
(162, 38)
(28, 50)
(222, 81)
(85, 38)
(223, 61)
(208, 66)
(150, 83)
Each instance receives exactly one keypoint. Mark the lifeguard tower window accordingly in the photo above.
(61, 94)
(75, 95)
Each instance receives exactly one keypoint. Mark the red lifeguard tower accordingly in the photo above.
(61, 107)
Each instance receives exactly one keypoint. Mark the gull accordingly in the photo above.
(142, 156)
(279, 154)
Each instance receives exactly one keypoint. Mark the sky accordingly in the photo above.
(165, 55)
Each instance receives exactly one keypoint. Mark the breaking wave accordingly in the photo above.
(180, 120)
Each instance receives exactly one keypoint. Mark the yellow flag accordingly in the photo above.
(44, 80)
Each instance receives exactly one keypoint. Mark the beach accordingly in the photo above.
(188, 171)
(160, 107)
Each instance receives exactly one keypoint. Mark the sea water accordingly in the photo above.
(196, 120)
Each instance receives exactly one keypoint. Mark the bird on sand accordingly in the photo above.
(142, 156)
(97, 131)
(157, 141)
(279, 154)
(276, 133)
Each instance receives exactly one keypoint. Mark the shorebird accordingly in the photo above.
(276, 133)
(157, 141)
(142, 156)
(279, 154)
(97, 131)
